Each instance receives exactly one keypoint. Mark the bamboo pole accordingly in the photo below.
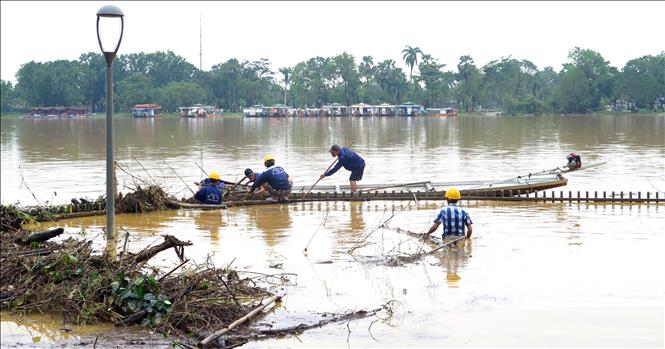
(234, 186)
(201, 168)
(324, 172)
(446, 244)
(176, 173)
(204, 343)
(329, 167)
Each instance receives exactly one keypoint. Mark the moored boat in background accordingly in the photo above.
(145, 110)
(441, 112)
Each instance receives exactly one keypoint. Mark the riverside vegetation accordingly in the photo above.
(587, 83)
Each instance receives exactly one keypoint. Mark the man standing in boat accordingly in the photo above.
(274, 180)
(453, 217)
(210, 193)
(351, 162)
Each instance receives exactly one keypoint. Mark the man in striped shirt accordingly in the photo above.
(453, 217)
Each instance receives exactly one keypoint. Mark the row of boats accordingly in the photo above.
(195, 111)
(336, 109)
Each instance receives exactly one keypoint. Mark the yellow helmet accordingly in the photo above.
(268, 157)
(215, 175)
(453, 194)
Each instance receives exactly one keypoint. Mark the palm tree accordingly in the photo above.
(286, 72)
(411, 58)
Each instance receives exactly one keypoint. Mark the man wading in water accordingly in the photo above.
(453, 217)
(351, 161)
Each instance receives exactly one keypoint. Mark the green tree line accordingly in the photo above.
(586, 83)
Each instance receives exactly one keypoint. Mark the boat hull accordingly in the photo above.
(425, 190)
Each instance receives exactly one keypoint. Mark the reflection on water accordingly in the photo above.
(454, 260)
(552, 268)
(410, 149)
(43, 330)
(573, 274)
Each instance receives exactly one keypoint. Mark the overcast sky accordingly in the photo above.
(289, 32)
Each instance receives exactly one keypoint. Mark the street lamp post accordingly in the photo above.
(110, 20)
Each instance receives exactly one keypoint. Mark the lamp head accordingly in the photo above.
(110, 27)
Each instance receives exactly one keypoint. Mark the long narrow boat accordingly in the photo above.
(421, 190)
(429, 189)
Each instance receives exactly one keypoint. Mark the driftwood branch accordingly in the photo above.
(205, 343)
(178, 204)
(41, 237)
(302, 327)
(172, 270)
(169, 242)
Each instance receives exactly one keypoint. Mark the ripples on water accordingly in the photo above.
(535, 274)
(67, 156)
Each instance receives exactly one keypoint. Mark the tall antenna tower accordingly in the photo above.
(200, 44)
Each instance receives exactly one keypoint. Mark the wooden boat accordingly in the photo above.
(197, 111)
(255, 111)
(423, 190)
(335, 109)
(408, 109)
(566, 169)
(145, 110)
(441, 112)
(435, 190)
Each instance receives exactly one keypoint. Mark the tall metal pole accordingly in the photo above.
(200, 44)
(110, 183)
(110, 11)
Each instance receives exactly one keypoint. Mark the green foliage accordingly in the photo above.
(508, 79)
(12, 218)
(56, 83)
(530, 105)
(642, 80)
(469, 80)
(234, 84)
(177, 94)
(586, 83)
(93, 74)
(142, 293)
(392, 82)
(67, 267)
(410, 57)
(7, 96)
(437, 82)
(135, 89)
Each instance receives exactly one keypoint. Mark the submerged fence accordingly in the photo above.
(508, 195)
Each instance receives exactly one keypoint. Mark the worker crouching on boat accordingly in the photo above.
(351, 162)
(574, 161)
(453, 217)
(251, 175)
(210, 192)
(274, 180)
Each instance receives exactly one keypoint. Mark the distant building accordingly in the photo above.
(59, 111)
(146, 110)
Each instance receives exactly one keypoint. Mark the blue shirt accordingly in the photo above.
(275, 176)
(209, 194)
(258, 175)
(454, 219)
(206, 181)
(349, 159)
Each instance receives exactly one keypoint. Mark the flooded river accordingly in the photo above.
(534, 274)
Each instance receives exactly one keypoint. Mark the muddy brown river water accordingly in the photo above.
(534, 274)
